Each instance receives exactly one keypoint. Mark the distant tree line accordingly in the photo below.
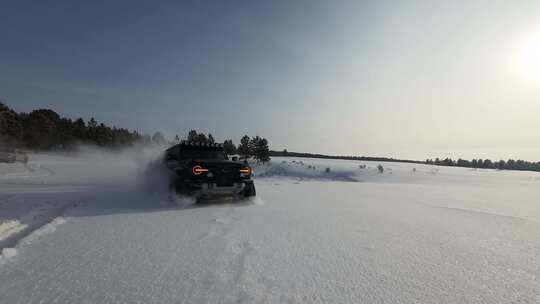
(510, 164)
(44, 129)
(475, 163)
(323, 156)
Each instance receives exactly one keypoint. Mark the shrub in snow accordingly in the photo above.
(327, 170)
(380, 168)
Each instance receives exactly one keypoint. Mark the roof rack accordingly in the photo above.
(200, 144)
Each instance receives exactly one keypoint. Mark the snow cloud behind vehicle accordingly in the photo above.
(87, 165)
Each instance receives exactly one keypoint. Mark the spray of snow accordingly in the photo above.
(311, 169)
(183, 201)
(87, 165)
(61, 181)
(255, 200)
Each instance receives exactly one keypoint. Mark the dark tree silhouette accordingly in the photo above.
(11, 129)
(259, 149)
(229, 147)
(244, 148)
(44, 129)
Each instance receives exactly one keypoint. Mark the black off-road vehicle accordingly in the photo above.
(204, 170)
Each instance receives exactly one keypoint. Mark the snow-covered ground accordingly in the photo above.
(79, 229)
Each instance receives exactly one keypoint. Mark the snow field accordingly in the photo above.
(411, 234)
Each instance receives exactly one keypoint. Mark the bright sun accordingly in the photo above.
(528, 59)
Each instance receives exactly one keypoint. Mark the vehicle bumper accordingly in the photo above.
(213, 190)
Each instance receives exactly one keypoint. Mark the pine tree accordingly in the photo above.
(480, 163)
(79, 129)
(261, 150)
(39, 130)
(244, 148)
(10, 126)
(229, 147)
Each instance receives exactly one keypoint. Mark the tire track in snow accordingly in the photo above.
(225, 277)
(41, 219)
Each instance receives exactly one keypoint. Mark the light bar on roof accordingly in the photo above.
(200, 144)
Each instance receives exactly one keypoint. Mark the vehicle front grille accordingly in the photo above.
(224, 176)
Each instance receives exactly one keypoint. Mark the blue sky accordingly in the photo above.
(410, 79)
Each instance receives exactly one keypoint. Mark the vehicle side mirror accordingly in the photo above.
(235, 158)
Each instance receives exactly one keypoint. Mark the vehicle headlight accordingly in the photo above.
(245, 171)
(198, 170)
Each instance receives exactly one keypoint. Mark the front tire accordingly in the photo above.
(249, 190)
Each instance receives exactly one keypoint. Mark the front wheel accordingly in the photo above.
(249, 189)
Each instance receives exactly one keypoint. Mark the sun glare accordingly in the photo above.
(528, 59)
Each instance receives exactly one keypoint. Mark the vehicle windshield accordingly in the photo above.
(203, 154)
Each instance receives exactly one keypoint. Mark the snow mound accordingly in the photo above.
(9, 252)
(10, 227)
(46, 229)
